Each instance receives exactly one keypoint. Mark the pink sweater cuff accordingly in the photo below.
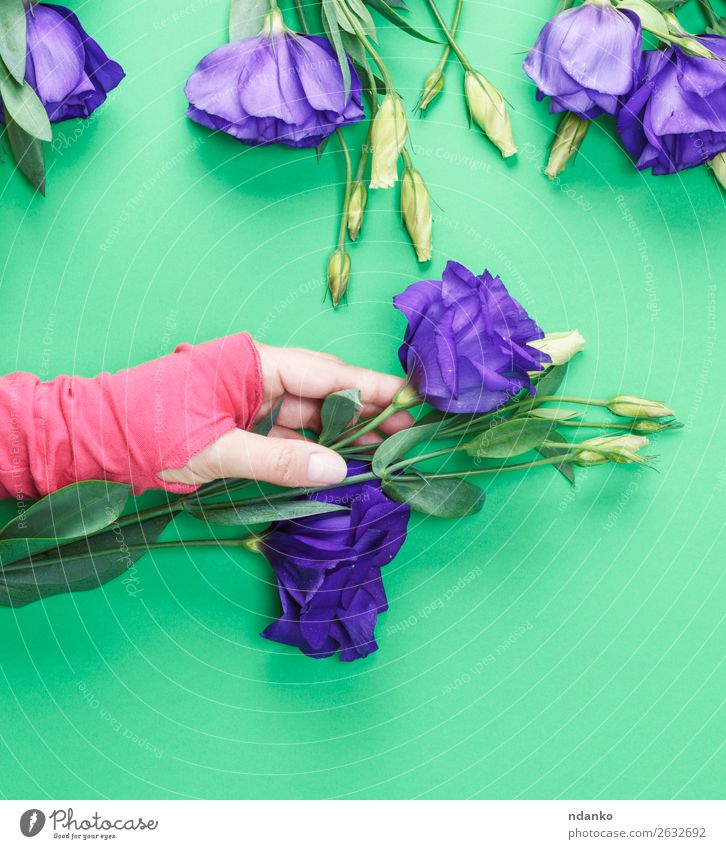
(126, 426)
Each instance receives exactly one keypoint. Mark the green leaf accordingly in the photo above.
(550, 380)
(320, 149)
(396, 446)
(385, 9)
(253, 514)
(364, 17)
(557, 414)
(13, 37)
(85, 565)
(246, 18)
(28, 153)
(448, 498)
(567, 468)
(338, 411)
(668, 5)
(650, 18)
(23, 105)
(66, 514)
(510, 438)
(330, 24)
(69, 513)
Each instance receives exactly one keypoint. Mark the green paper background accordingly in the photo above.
(563, 643)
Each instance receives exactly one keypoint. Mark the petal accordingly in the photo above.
(600, 52)
(543, 63)
(319, 73)
(213, 86)
(269, 85)
(56, 51)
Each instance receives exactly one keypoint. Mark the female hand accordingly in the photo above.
(298, 380)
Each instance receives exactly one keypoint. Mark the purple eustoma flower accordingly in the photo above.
(279, 87)
(586, 58)
(676, 117)
(465, 347)
(68, 70)
(328, 569)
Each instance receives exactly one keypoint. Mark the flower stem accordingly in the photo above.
(491, 470)
(405, 399)
(348, 186)
(291, 493)
(449, 34)
(454, 26)
(152, 546)
(601, 425)
(717, 24)
(430, 456)
(361, 36)
(301, 16)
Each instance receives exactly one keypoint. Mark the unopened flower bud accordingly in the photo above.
(632, 407)
(561, 347)
(489, 111)
(388, 136)
(432, 87)
(338, 274)
(650, 426)
(696, 48)
(416, 212)
(606, 449)
(718, 168)
(570, 132)
(356, 207)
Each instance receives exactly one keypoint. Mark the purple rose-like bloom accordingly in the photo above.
(586, 58)
(328, 569)
(676, 117)
(465, 347)
(278, 87)
(67, 69)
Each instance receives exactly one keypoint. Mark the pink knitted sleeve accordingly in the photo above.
(126, 426)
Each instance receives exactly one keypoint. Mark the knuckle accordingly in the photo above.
(285, 465)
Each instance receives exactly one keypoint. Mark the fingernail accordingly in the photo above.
(326, 468)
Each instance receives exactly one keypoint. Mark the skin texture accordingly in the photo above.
(300, 379)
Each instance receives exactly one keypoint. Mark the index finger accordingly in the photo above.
(306, 374)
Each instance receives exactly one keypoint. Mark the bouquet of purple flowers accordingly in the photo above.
(669, 102)
(490, 377)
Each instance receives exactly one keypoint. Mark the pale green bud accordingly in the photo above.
(650, 426)
(718, 168)
(416, 212)
(606, 449)
(338, 274)
(632, 407)
(561, 347)
(388, 136)
(489, 111)
(356, 207)
(432, 87)
(570, 133)
(696, 48)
